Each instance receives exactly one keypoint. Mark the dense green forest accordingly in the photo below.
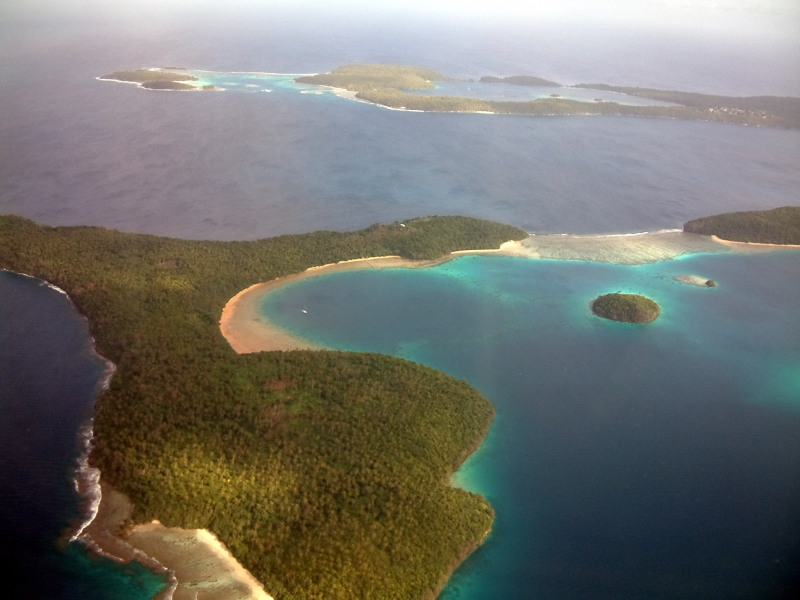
(388, 85)
(630, 308)
(358, 78)
(325, 473)
(776, 226)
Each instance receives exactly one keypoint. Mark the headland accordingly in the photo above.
(250, 446)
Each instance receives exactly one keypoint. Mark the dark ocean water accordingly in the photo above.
(234, 165)
(49, 375)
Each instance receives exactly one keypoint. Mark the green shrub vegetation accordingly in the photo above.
(325, 473)
(776, 226)
(370, 77)
(630, 308)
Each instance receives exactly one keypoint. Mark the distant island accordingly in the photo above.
(528, 80)
(388, 85)
(398, 87)
(629, 308)
(777, 226)
(156, 79)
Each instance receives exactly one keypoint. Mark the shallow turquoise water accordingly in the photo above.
(626, 461)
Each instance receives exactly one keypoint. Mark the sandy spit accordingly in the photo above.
(196, 563)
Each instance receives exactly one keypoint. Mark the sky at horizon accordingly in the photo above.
(742, 28)
(594, 9)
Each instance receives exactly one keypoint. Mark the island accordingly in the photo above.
(629, 308)
(391, 86)
(155, 79)
(780, 226)
(405, 87)
(325, 474)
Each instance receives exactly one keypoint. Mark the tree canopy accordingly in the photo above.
(629, 308)
(325, 473)
(776, 226)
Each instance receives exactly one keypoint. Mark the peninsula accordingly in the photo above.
(325, 474)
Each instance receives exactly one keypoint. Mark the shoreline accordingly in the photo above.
(753, 246)
(173, 551)
(247, 331)
(192, 560)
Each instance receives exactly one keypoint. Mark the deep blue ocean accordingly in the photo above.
(655, 462)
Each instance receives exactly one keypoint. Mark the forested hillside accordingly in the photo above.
(776, 226)
(326, 473)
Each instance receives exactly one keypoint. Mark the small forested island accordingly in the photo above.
(388, 85)
(776, 226)
(326, 474)
(154, 79)
(629, 308)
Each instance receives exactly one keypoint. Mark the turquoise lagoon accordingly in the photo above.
(626, 461)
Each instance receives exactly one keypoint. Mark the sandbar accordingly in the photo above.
(694, 280)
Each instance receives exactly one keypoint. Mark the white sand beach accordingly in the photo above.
(246, 330)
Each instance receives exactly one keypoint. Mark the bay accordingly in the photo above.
(626, 461)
